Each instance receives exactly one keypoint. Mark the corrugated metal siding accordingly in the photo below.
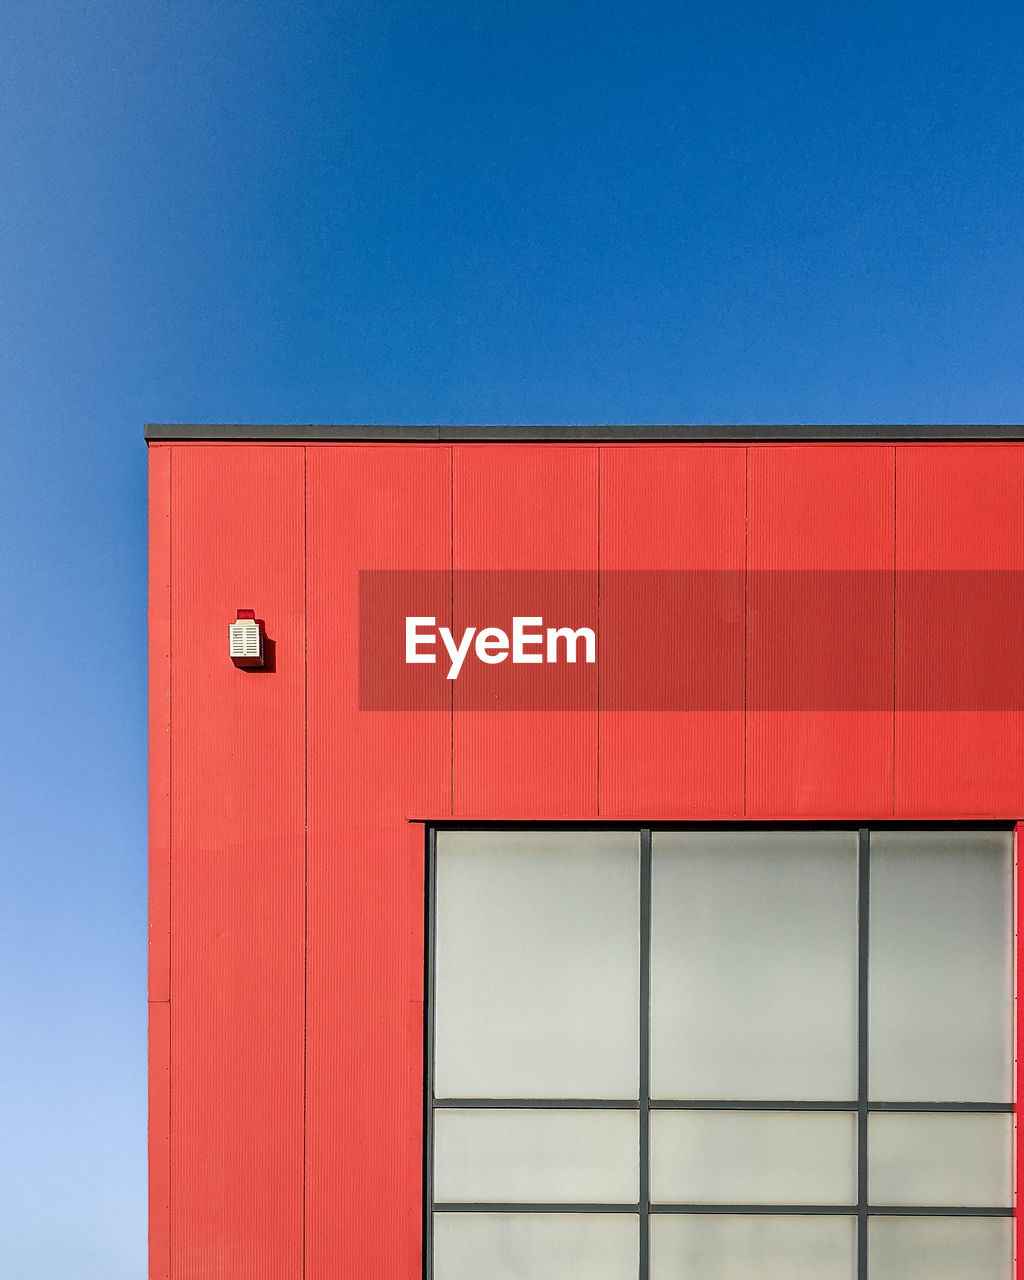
(518, 508)
(672, 508)
(286, 1071)
(237, 888)
(957, 507)
(159, 1124)
(159, 613)
(818, 509)
(368, 508)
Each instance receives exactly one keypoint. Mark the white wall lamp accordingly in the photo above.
(246, 639)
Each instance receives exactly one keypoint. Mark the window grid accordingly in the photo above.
(645, 1104)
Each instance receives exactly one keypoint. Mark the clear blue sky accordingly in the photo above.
(445, 212)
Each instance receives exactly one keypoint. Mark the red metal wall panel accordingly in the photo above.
(820, 562)
(159, 723)
(374, 507)
(237, 889)
(673, 508)
(159, 858)
(518, 509)
(287, 1021)
(958, 507)
(159, 1140)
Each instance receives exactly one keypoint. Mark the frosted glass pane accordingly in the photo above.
(752, 1157)
(729, 1246)
(517, 1156)
(940, 981)
(536, 1246)
(940, 1248)
(754, 965)
(928, 1159)
(537, 964)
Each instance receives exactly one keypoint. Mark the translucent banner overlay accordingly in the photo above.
(692, 640)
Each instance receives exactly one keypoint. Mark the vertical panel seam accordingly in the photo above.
(597, 780)
(451, 605)
(305, 842)
(170, 702)
(895, 605)
(746, 609)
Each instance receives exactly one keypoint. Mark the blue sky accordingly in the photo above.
(448, 212)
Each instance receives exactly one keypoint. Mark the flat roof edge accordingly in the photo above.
(159, 431)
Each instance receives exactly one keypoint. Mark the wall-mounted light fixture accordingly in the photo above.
(246, 640)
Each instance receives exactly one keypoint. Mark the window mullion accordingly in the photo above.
(645, 1050)
(864, 884)
(428, 1055)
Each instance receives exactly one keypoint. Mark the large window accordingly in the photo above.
(720, 1054)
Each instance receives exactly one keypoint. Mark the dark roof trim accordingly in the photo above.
(659, 431)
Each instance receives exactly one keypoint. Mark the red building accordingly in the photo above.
(696, 959)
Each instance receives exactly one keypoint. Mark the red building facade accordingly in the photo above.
(290, 829)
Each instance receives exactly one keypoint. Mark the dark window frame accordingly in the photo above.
(862, 1211)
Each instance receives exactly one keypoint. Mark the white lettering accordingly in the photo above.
(457, 653)
(572, 639)
(413, 640)
(492, 645)
(521, 638)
